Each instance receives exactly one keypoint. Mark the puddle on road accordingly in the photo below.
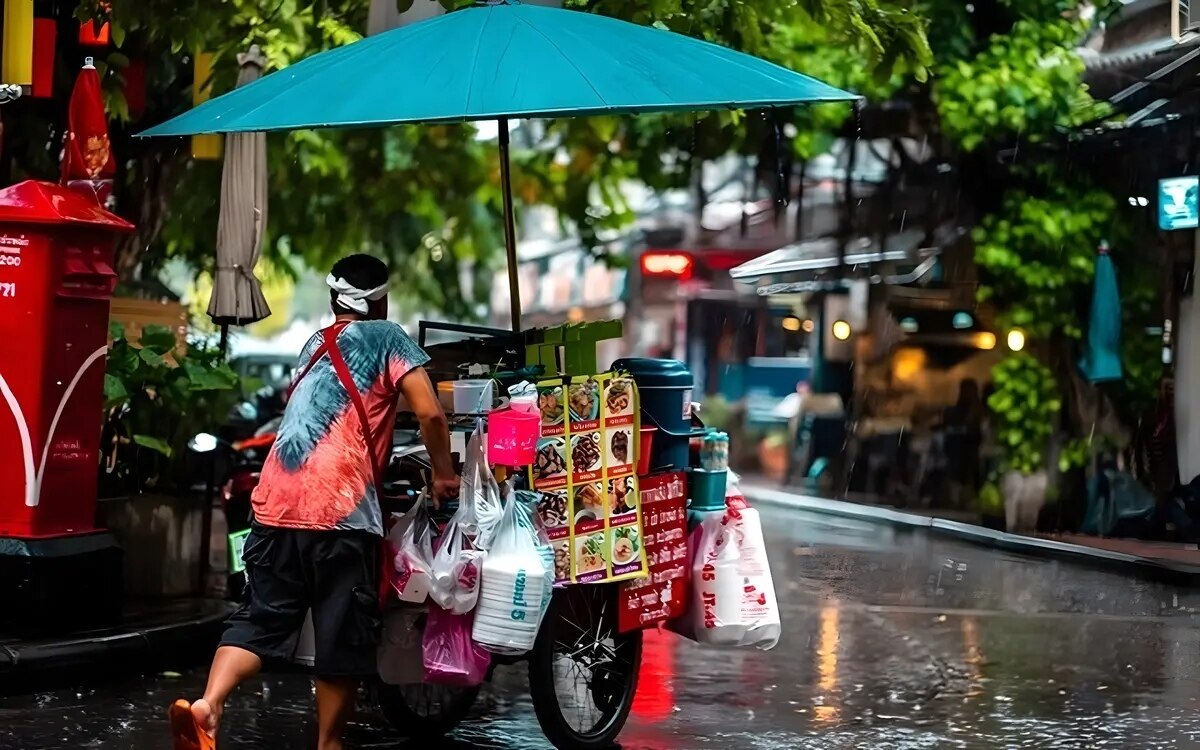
(892, 640)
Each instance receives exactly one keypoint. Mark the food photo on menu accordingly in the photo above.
(552, 509)
(620, 448)
(590, 556)
(626, 548)
(618, 398)
(550, 404)
(589, 502)
(550, 462)
(585, 456)
(584, 401)
(623, 495)
(562, 560)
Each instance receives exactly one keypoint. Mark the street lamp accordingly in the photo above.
(841, 330)
(1016, 339)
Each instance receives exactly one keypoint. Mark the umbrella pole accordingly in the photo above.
(510, 229)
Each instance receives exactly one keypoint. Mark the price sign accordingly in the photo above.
(663, 595)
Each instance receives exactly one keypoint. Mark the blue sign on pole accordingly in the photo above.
(1179, 203)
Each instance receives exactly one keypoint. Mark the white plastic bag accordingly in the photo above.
(529, 502)
(479, 505)
(515, 585)
(412, 539)
(733, 597)
(456, 570)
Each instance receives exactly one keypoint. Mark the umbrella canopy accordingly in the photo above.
(237, 297)
(1101, 360)
(499, 60)
(489, 62)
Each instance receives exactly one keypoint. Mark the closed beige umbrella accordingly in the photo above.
(237, 297)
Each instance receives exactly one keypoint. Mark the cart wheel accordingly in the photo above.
(582, 673)
(424, 712)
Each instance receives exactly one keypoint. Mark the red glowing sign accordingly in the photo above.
(668, 265)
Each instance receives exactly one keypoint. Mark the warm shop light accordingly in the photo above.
(669, 265)
(841, 330)
(1016, 339)
(792, 323)
(808, 326)
(985, 340)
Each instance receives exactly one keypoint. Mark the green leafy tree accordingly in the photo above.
(426, 198)
(1022, 85)
(157, 396)
(1037, 256)
(1027, 405)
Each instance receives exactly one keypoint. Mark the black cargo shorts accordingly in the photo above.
(333, 573)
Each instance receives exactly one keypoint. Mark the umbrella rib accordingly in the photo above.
(475, 63)
(566, 58)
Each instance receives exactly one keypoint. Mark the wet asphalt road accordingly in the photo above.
(891, 639)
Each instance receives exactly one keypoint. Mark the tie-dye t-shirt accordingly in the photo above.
(318, 475)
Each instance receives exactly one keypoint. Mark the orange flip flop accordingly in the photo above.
(186, 731)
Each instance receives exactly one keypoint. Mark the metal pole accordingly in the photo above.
(510, 229)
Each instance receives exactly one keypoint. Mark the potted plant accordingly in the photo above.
(1026, 405)
(158, 395)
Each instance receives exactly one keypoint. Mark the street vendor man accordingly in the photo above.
(318, 526)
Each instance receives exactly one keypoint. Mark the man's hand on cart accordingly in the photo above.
(444, 488)
(435, 433)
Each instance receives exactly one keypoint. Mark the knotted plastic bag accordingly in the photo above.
(412, 539)
(456, 570)
(479, 504)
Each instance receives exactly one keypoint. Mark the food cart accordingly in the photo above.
(612, 578)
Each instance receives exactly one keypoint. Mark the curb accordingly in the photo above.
(173, 643)
(1149, 567)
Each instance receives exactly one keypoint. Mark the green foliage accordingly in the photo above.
(157, 398)
(1076, 454)
(1026, 405)
(1037, 258)
(991, 501)
(1024, 84)
(428, 201)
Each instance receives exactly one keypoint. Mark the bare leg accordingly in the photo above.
(231, 666)
(335, 706)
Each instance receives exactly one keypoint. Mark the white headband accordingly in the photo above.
(353, 298)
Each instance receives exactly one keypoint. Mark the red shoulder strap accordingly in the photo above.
(328, 335)
(343, 373)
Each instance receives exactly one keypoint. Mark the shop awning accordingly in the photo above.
(808, 266)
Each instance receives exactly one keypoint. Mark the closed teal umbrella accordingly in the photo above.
(499, 60)
(1101, 360)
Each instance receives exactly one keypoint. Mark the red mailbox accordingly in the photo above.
(56, 281)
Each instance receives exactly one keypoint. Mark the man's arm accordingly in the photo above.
(435, 431)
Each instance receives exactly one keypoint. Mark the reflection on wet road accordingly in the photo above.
(891, 639)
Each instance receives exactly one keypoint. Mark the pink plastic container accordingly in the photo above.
(512, 437)
(645, 445)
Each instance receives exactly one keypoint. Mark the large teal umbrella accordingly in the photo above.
(1101, 360)
(499, 60)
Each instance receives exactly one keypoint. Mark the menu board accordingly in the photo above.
(663, 595)
(585, 470)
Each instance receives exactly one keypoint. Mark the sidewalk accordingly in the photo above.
(164, 635)
(1175, 563)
